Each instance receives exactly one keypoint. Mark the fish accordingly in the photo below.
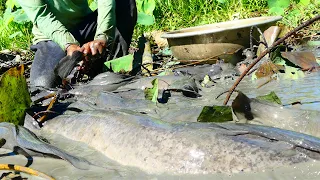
(19, 136)
(107, 81)
(155, 146)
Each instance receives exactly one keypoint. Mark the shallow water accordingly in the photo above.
(179, 108)
(304, 89)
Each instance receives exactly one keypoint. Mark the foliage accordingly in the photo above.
(2, 6)
(152, 93)
(14, 96)
(122, 64)
(176, 14)
(271, 97)
(145, 11)
(293, 73)
(278, 7)
(171, 15)
(294, 12)
(15, 27)
(215, 114)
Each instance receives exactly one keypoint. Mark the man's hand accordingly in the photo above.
(72, 48)
(94, 47)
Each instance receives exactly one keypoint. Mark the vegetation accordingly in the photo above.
(175, 14)
(15, 28)
(166, 15)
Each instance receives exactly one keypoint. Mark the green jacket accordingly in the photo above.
(52, 19)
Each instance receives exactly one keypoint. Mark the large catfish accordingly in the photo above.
(155, 146)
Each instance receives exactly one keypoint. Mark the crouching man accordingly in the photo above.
(62, 27)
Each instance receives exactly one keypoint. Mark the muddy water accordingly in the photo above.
(304, 89)
(109, 169)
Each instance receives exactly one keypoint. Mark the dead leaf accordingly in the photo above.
(304, 59)
(271, 34)
(268, 69)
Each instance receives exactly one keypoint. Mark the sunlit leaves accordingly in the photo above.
(20, 16)
(277, 7)
(304, 2)
(145, 11)
(93, 5)
(222, 1)
(122, 64)
(147, 6)
(145, 19)
(11, 3)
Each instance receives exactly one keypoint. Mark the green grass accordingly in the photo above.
(175, 14)
(15, 36)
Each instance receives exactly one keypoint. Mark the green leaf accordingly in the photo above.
(20, 16)
(293, 73)
(277, 7)
(165, 72)
(14, 96)
(7, 16)
(166, 51)
(93, 5)
(276, 11)
(139, 4)
(313, 43)
(206, 81)
(222, 1)
(304, 2)
(149, 6)
(145, 19)
(152, 93)
(254, 76)
(278, 3)
(11, 3)
(294, 13)
(215, 114)
(122, 64)
(18, 33)
(279, 60)
(171, 63)
(271, 97)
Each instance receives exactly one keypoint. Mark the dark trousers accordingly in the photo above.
(49, 53)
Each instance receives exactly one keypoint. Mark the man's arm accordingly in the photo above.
(106, 20)
(105, 29)
(46, 22)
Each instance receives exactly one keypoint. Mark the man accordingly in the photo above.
(62, 27)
